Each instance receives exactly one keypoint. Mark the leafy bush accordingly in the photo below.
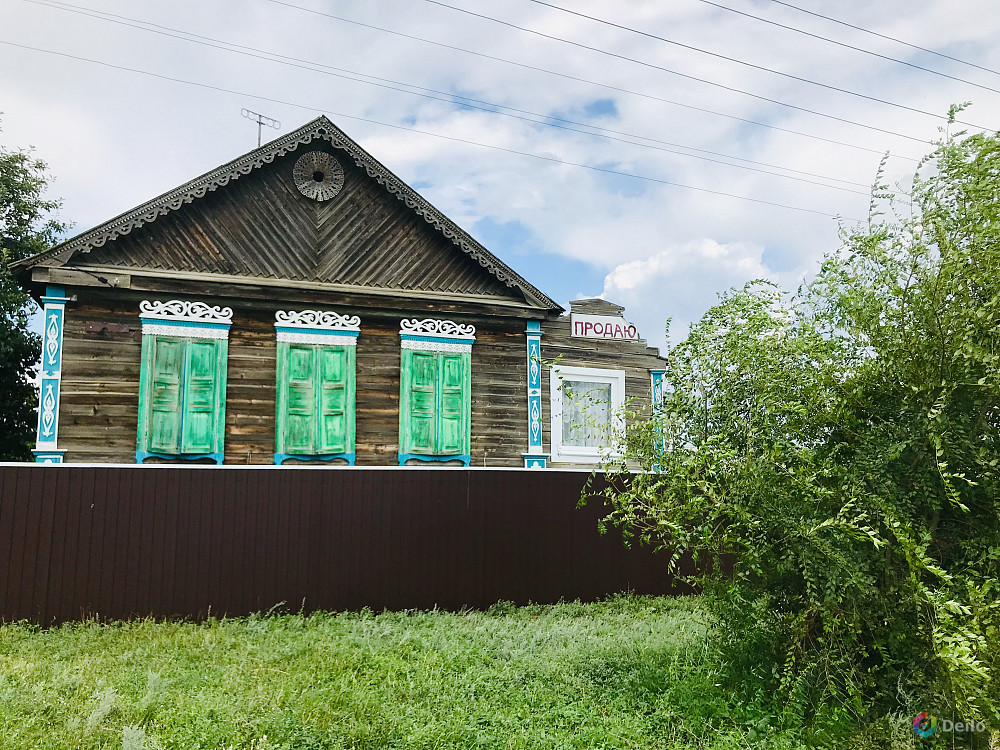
(831, 458)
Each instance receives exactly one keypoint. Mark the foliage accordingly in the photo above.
(629, 672)
(25, 229)
(831, 458)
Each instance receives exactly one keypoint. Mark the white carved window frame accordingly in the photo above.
(436, 335)
(581, 454)
(185, 319)
(317, 327)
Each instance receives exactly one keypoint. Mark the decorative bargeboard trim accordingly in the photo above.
(435, 346)
(324, 319)
(185, 310)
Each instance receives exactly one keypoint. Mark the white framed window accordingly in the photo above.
(586, 406)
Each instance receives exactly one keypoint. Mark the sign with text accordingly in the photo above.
(602, 327)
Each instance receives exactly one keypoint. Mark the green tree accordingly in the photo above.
(831, 458)
(26, 228)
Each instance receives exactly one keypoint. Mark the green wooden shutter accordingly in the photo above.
(198, 424)
(167, 363)
(334, 409)
(420, 372)
(436, 403)
(452, 432)
(300, 405)
(182, 396)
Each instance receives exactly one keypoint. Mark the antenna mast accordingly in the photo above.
(260, 120)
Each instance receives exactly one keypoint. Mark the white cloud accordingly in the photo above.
(682, 281)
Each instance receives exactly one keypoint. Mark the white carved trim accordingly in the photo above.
(326, 339)
(435, 327)
(317, 319)
(436, 346)
(189, 332)
(52, 331)
(50, 404)
(183, 310)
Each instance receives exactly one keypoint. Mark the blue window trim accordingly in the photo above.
(437, 339)
(280, 458)
(316, 331)
(466, 459)
(141, 456)
(185, 324)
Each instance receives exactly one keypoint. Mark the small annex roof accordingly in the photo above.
(319, 129)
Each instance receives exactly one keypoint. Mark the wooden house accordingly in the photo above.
(302, 305)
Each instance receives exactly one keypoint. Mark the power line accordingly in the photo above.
(587, 81)
(850, 46)
(718, 55)
(448, 98)
(677, 73)
(540, 157)
(885, 36)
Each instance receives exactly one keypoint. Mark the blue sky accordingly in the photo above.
(656, 191)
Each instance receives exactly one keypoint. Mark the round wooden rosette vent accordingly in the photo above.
(318, 175)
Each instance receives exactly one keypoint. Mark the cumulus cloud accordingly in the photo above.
(682, 281)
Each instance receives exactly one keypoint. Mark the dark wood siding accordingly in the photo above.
(101, 362)
(99, 405)
(260, 226)
(120, 542)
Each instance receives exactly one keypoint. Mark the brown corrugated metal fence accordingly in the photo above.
(124, 541)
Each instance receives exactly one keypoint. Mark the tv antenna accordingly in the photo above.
(261, 120)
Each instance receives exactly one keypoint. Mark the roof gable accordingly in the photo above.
(378, 232)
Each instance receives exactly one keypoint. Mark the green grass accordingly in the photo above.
(630, 672)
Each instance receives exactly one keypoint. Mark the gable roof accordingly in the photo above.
(319, 129)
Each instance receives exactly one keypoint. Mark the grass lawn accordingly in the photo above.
(626, 673)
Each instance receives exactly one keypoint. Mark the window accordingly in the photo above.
(586, 408)
(182, 385)
(315, 382)
(435, 397)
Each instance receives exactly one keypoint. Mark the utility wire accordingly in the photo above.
(540, 157)
(448, 98)
(584, 80)
(718, 55)
(850, 46)
(675, 72)
(884, 36)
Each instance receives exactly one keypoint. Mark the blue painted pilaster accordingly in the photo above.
(656, 383)
(534, 458)
(50, 377)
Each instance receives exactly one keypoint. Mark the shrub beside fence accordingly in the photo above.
(116, 542)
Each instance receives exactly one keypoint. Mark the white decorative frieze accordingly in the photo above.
(183, 331)
(185, 311)
(327, 338)
(435, 327)
(436, 346)
(317, 319)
